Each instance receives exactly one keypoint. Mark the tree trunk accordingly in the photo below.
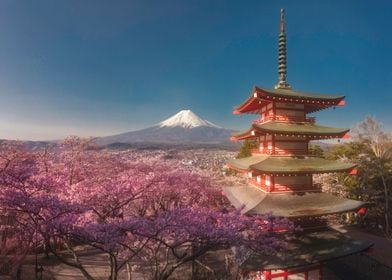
(386, 194)
(129, 271)
(115, 268)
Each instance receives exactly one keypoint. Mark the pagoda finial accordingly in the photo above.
(282, 59)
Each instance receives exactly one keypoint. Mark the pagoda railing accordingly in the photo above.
(285, 118)
(282, 188)
(261, 152)
(258, 185)
(296, 188)
(280, 152)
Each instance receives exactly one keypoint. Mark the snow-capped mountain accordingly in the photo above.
(185, 127)
(187, 119)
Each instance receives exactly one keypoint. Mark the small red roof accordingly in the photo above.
(313, 102)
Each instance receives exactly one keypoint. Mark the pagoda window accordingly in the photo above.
(287, 148)
(293, 183)
(290, 115)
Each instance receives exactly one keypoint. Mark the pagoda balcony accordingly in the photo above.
(261, 186)
(296, 188)
(281, 188)
(279, 152)
(261, 152)
(285, 119)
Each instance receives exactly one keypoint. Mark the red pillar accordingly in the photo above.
(267, 275)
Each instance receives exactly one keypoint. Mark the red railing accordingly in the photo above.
(290, 152)
(285, 118)
(260, 152)
(296, 188)
(279, 152)
(283, 188)
(257, 184)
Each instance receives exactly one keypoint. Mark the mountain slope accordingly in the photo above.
(184, 127)
(186, 119)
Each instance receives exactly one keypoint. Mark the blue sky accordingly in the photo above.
(101, 67)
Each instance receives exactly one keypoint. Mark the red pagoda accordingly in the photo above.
(280, 177)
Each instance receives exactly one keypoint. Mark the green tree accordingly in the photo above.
(247, 146)
(352, 150)
(316, 150)
(371, 151)
(379, 160)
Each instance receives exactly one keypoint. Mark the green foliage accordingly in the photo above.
(316, 150)
(366, 185)
(353, 151)
(246, 148)
(371, 151)
(230, 172)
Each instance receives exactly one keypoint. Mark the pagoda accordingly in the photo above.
(280, 177)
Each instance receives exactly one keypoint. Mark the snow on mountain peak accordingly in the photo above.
(187, 119)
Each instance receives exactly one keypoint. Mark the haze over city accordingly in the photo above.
(95, 68)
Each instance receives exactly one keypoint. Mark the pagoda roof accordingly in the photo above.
(253, 201)
(307, 248)
(313, 102)
(292, 164)
(291, 128)
(246, 162)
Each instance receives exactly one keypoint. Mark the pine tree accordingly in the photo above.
(246, 148)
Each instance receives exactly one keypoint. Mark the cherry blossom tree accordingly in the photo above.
(151, 212)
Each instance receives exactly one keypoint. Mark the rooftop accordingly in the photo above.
(312, 101)
(293, 128)
(253, 201)
(306, 249)
(294, 164)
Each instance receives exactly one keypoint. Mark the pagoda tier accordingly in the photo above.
(305, 251)
(282, 174)
(310, 102)
(280, 177)
(265, 164)
(302, 130)
(251, 200)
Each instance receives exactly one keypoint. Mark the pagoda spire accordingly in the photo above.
(282, 59)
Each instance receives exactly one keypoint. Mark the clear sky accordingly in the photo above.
(101, 67)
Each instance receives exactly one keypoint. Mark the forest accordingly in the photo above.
(155, 216)
(151, 215)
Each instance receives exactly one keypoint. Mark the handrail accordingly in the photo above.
(285, 118)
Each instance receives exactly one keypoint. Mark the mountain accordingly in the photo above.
(186, 119)
(185, 127)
